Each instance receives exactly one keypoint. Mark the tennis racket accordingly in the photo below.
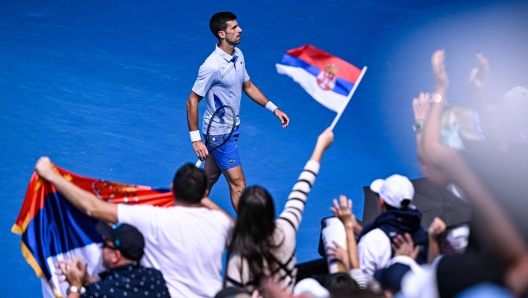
(220, 128)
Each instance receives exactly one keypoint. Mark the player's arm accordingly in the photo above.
(85, 201)
(257, 96)
(192, 122)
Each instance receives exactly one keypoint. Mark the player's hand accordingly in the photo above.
(44, 168)
(200, 149)
(282, 117)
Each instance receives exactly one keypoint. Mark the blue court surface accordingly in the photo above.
(100, 87)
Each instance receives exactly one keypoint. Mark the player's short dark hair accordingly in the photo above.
(189, 184)
(218, 22)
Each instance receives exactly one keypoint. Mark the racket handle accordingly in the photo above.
(199, 163)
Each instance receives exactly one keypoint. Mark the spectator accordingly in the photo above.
(398, 216)
(262, 245)
(340, 285)
(122, 250)
(185, 242)
(446, 241)
(444, 165)
(349, 256)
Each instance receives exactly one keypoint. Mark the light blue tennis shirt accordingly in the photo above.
(220, 80)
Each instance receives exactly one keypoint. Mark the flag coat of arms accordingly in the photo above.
(327, 78)
(52, 229)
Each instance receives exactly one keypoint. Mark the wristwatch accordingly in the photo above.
(74, 289)
(418, 126)
(435, 97)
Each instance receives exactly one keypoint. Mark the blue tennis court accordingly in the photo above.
(100, 87)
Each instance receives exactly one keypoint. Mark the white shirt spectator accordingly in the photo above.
(374, 252)
(185, 243)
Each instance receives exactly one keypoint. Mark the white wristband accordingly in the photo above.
(271, 107)
(195, 136)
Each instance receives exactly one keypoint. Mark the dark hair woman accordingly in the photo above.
(262, 245)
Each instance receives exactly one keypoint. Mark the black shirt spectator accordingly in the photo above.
(132, 280)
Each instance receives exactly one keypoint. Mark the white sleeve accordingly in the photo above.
(207, 76)
(374, 252)
(140, 216)
(294, 207)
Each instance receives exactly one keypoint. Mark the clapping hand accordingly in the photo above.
(478, 78)
(404, 246)
(439, 72)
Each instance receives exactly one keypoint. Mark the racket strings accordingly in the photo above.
(221, 126)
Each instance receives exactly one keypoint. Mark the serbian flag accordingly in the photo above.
(327, 78)
(52, 229)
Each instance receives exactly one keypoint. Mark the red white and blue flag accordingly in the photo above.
(327, 78)
(52, 229)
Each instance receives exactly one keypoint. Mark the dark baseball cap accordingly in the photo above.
(126, 238)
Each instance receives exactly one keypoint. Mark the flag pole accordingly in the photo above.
(348, 98)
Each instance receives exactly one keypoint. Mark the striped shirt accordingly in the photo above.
(286, 227)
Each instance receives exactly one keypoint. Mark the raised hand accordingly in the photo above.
(478, 79)
(437, 227)
(44, 168)
(439, 72)
(325, 139)
(421, 107)
(343, 211)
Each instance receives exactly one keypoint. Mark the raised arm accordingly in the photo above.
(85, 201)
(439, 73)
(257, 96)
(343, 211)
(294, 206)
(436, 228)
(496, 231)
(478, 80)
(323, 142)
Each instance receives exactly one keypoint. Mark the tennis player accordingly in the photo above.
(221, 79)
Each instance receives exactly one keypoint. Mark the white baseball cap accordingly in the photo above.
(393, 190)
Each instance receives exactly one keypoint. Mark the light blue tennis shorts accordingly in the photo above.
(226, 155)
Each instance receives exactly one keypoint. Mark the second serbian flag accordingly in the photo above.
(327, 78)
